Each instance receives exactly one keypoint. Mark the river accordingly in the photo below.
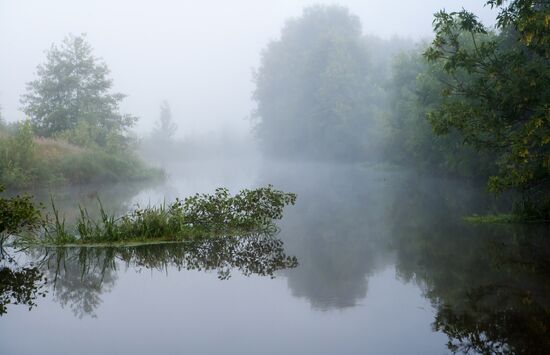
(369, 260)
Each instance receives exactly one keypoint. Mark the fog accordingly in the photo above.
(291, 176)
(197, 55)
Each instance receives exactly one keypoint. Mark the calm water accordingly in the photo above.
(368, 261)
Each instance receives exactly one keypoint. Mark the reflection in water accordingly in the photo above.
(19, 285)
(336, 229)
(341, 228)
(79, 275)
(489, 284)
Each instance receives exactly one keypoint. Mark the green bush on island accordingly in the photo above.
(198, 216)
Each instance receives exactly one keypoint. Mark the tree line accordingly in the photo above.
(473, 103)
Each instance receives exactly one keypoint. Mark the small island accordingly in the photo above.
(196, 217)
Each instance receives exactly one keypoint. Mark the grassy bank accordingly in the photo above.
(27, 161)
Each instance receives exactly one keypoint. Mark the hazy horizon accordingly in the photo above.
(197, 56)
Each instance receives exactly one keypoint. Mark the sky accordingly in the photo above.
(197, 55)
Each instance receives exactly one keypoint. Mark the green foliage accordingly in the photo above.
(414, 90)
(17, 214)
(72, 95)
(247, 209)
(313, 89)
(197, 216)
(497, 95)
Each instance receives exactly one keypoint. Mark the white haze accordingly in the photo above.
(197, 55)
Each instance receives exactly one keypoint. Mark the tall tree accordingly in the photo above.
(313, 89)
(73, 90)
(165, 128)
(497, 95)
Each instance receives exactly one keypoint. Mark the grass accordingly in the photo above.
(196, 217)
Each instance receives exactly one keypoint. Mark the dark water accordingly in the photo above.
(368, 261)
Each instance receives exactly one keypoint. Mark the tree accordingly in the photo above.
(414, 90)
(165, 128)
(497, 95)
(313, 91)
(73, 92)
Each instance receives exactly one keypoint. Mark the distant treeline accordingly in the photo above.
(473, 103)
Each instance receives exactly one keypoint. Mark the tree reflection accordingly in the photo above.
(19, 284)
(258, 254)
(80, 275)
(508, 309)
(337, 229)
(489, 284)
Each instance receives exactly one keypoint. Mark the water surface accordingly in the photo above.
(368, 261)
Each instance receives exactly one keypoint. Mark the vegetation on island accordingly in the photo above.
(196, 217)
